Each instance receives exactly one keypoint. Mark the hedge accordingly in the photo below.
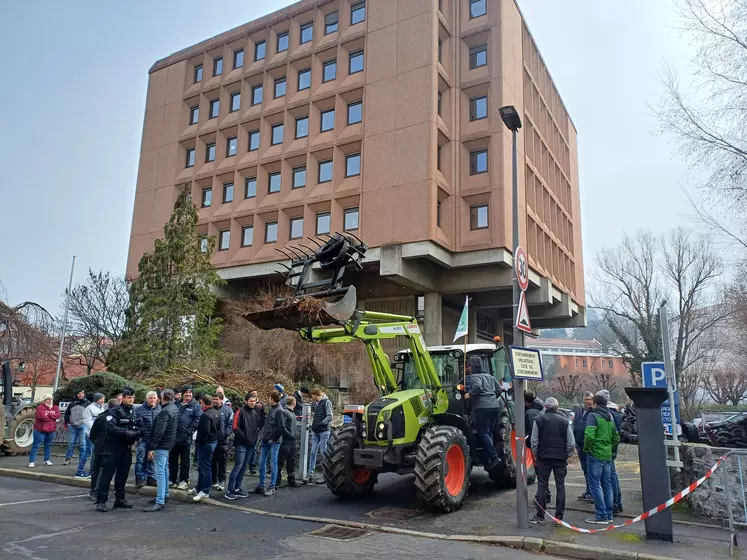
(108, 383)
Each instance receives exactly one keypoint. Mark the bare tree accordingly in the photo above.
(567, 384)
(728, 384)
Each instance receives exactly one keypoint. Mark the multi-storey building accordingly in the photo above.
(379, 118)
(579, 356)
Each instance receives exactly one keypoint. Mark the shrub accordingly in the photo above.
(108, 383)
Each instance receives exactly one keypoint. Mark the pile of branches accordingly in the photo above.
(629, 427)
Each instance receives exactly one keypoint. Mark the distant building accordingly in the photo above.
(578, 356)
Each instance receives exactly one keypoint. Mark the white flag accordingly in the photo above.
(463, 326)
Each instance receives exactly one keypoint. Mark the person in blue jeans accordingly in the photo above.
(600, 445)
(162, 440)
(74, 422)
(486, 408)
(579, 425)
(144, 467)
(45, 427)
(246, 425)
(271, 440)
(321, 420)
(90, 414)
(208, 432)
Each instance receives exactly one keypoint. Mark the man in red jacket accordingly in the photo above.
(45, 426)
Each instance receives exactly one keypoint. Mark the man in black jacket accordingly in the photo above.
(271, 439)
(189, 418)
(98, 438)
(220, 455)
(579, 426)
(288, 447)
(162, 440)
(262, 420)
(246, 425)
(74, 425)
(208, 433)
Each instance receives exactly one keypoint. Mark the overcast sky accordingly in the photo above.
(74, 82)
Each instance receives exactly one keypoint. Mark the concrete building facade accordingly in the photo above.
(586, 357)
(381, 118)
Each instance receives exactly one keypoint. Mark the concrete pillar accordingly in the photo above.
(433, 331)
(472, 336)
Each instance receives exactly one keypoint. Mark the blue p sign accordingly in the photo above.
(653, 374)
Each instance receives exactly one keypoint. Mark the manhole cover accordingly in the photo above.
(338, 533)
(393, 513)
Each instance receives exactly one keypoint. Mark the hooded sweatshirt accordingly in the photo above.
(532, 411)
(600, 436)
(90, 414)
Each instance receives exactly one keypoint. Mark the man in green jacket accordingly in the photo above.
(600, 443)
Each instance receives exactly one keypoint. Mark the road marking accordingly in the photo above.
(43, 500)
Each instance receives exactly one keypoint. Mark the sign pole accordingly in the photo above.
(64, 328)
(671, 378)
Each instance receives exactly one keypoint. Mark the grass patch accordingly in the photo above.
(630, 538)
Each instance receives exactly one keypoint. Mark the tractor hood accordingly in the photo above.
(397, 416)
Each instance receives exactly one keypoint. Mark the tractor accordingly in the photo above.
(422, 422)
(16, 418)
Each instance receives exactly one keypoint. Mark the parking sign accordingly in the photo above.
(653, 374)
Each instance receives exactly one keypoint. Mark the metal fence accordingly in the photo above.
(736, 460)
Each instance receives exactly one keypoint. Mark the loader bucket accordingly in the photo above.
(296, 313)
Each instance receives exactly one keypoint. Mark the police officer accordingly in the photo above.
(122, 431)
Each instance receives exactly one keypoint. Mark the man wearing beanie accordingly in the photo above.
(600, 444)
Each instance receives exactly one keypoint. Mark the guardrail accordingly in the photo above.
(734, 521)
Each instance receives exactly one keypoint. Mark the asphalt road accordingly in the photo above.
(43, 521)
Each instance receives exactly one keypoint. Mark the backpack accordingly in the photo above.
(76, 415)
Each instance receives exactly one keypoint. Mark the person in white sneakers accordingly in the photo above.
(89, 415)
(45, 427)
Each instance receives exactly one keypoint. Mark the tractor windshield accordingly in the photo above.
(448, 366)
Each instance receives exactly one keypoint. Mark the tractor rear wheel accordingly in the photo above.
(344, 478)
(21, 433)
(442, 466)
(505, 474)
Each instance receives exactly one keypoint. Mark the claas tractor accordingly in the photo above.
(422, 422)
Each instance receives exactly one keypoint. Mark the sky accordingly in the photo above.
(73, 96)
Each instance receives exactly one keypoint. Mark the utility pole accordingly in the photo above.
(64, 328)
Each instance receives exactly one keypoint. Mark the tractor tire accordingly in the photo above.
(505, 474)
(442, 466)
(21, 433)
(342, 477)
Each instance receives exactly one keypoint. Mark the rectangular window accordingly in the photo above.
(203, 244)
(438, 158)
(478, 108)
(274, 182)
(477, 8)
(307, 32)
(277, 134)
(254, 140)
(323, 223)
(260, 50)
(214, 108)
(330, 23)
(190, 157)
(198, 73)
(271, 232)
(356, 62)
(194, 114)
(299, 177)
(610, 363)
(478, 56)
(329, 70)
(440, 102)
(251, 187)
(296, 228)
(583, 363)
(328, 120)
(350, 220)
(257, 92)
(355, 112)
(325, 171)
(235, 101)
(478, 162)
(210, 152)
(478, 217)
(207, 197)
(352, 165)
(358, 12)
(225, 240)
(282, 41)
(238, 58)
(247, 236)
(279, 87)
(218, 66)
(304, 79)
(438, 213)
(302, 127)
(440, 50)
(232, 145)
(227, 192)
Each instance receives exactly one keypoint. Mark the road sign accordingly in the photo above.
(521, 264)
(666, 414)
(526, 363)
(653, 374)
(522, 317)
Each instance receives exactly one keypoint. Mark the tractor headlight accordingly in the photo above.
(363, 426)
(381, 426)
(381, 435)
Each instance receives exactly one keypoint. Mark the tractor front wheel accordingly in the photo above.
(21, 433)
(343, 478)
(442, 466)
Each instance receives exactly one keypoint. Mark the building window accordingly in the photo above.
(210, 152)
(330, 23)
(279, 87)
(214, 108)
(478, 108)
(602, 361)
(478, 56)
(350, 220)
(247, 236)
(198, 73)
(225, 240)
(307, 32)
(277, 134)
(274, 182)
(583, 363)
(259, 50)
(355, 112)
(282, 42)
(227, 192)
(352, 165)
(238, 58)
(323, 223)
(299, 177)
(254, 140)
(610, 363)
(329, 70)
(438, 157)
(576, 362)
(477, 8)
(203, 244)
(271, 232)
(440, 50)
(257, 92)
(235, 101)
(194, 114)
(478, 162)
(251, 187)
(478, 217)
(325, 171)
(356, 62)
(358, 12)
(438, 213)
(218, 66)
(190, 157)
(207, 197)
(304, 79)
(439, 102)
(296, 228)
(302, 127)
(232, 144)
(328, 120)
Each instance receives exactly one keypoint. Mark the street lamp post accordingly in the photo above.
(512, 120)
(64, 328)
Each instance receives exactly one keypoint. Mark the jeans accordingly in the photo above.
(599, 474)
(46, 439)
(205, 476)
(544, 468)
(582, 460)
(77, 435)
(269, 450)
(617, 498)
(143, 466)
(179, 463)
(161, 462)
(318, 444)
(243, 456)
(219, 462)
(485, 419)
(84, 455)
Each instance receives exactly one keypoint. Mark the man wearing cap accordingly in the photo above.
(600, 443)
(552, 444)
(189, 418)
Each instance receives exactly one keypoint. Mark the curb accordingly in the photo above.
(530, 544)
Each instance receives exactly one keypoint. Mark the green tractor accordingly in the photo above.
(422, 422)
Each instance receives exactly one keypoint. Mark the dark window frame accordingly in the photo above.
(270, 176)
(207, 152)
(273, 128)
(298, 84)
(472, 3)
(225, 192)
(244, 229)
(326, 64)
(246, 187)
(190, 152)
(304, 27)
(205, 191)
(474, 216)
(194, 111)
(328, 23)
(282, 80)
(438, 213)
(259, 140)
(282, 35)
(217, 66)
(293, 220)
(258, 87)
(321, 120)
(348, 211)
(439, 102)
(357, 7)
(348, 157)
(263, 45)
(473, 161)
(474, 51)
(473, 108)
(267, 230)
(234, 95)
(220, 240)
(331, 162)
(329, 227)
(295, 169)
(354, 104)
(236, 54)
(198, 73)
(214, 103)
(353, 55)
(228, 146)
(299, 119)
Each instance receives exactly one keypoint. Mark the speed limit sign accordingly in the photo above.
(521, 265)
